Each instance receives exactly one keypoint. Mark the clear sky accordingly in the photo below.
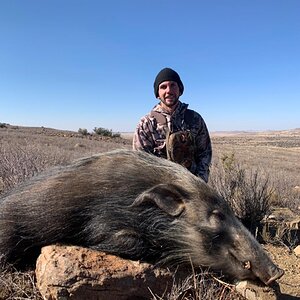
(71, 64)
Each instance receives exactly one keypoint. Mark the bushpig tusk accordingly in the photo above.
(279, 274)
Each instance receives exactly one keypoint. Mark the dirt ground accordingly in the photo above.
(287, 260)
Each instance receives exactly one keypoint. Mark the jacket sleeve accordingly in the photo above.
(142, 139)
(203, 151)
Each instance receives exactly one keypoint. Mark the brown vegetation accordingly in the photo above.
(25, 151)
(275, 156)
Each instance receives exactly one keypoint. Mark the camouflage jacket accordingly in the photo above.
(150, 136)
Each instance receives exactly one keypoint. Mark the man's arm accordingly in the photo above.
(142, 139)
(203, 152)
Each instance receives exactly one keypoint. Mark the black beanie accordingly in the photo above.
(167, 74)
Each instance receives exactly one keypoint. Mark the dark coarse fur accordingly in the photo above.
(134, 205)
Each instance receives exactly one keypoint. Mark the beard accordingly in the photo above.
(171, 103)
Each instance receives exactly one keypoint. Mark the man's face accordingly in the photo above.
(168, 93)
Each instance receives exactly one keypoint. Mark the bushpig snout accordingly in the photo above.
(253, 257)
(270, 274)
(221, 236)
(278, 273)
(267, 275)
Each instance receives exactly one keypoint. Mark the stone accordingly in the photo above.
(297, 251)
(254, 291)
(71, 272)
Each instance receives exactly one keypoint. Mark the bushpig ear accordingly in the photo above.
(168, 197)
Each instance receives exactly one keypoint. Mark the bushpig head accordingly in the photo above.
(206, 233)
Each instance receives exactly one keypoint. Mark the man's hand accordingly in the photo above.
(180, 148)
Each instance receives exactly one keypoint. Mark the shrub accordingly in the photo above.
(102, 131)
(83, 131)
(3, 125)
(247, 191)
(105, 132)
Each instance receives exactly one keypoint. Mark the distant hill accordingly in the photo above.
(129, 135)
(295, 131)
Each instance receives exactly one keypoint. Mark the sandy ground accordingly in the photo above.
(287, 260)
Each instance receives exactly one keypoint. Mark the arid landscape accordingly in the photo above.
(273, 157)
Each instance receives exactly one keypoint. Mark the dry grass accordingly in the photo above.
(199, 286)
(275, 156)
(247, 191)
(17, 285)
(24, 152)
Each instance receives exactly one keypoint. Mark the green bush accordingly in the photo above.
(105, 132)
(83, 131)
(102, 131)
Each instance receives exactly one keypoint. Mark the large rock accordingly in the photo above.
(70, 272)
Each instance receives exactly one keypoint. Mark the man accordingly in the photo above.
(169, 116)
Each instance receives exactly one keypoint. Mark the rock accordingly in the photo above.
(70, 272)
(253, 291)
(297, 251)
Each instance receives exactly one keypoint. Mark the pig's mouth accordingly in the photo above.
(275, 277)
(267, 274)
(276, 271)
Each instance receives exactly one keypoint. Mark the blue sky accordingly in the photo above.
(71, 64)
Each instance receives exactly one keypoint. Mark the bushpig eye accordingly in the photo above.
(219, 215)
(216, 221)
